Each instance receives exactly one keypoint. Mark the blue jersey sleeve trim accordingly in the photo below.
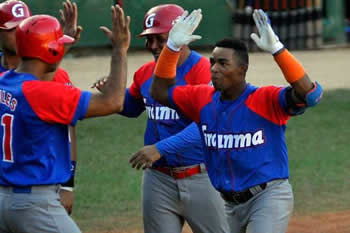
(180, 142)
(133, 107)
(82, 107)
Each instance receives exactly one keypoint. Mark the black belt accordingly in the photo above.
(242, 196)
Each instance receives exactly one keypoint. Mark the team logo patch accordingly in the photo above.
(18, 10)
(150, 20)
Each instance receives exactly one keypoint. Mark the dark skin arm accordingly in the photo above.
(160, 89)
(112, 98)
(67, 197)
(301, 88)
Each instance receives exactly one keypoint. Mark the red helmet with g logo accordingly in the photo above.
(160, 19)
(12, 13)
(41, 37)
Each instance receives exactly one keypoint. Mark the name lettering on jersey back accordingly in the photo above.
(234, 140)
(6, 99)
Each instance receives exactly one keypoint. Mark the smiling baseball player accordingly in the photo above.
(242, 126)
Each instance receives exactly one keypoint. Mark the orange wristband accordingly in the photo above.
(166, 64)
(291, 68)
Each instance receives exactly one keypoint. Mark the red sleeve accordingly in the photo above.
(191, 99)
(140, 76)
(54, 102)
(200, 73)
(62, 76)
(265, 101)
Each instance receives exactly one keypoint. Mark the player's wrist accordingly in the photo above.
(70, 183)
(276, 48)
(65, 188)
(171, 45)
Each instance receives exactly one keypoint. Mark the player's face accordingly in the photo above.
(155, 43)
(226, 73)
(8, 40)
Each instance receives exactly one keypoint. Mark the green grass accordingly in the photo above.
(108, 190)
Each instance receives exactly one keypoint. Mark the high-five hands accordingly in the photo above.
(181, 32)
(268, 40)
(120, 33)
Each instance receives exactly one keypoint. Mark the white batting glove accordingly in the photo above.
(181, 32)
(268, 40)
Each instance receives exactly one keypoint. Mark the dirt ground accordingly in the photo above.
(326, 66)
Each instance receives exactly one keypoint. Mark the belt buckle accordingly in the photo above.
(234, 197)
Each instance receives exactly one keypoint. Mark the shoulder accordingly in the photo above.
(61, 76)
(144, 72)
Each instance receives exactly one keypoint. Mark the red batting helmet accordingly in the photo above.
(160, 19)
(41, 36)
(13, 12)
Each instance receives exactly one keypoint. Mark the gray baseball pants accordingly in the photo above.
(168, 203)
(37, 211)
(268, 211)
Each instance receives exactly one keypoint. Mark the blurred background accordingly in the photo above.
(300, 24)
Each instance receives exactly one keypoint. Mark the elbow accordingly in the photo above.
(314, 96)
(114, 105)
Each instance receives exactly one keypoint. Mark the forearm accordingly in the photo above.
(116, 84)
(164, 75)
(294, 72)
(73, 148)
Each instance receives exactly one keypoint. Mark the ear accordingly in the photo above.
(243, 69)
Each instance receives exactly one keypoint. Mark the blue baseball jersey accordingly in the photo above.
(34, 119)
(243, 139)
(164, 122)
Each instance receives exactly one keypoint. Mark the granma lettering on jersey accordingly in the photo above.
(233, 141)
(6, 99)
(161, 113)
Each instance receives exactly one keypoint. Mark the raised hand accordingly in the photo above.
(69, 19)
(120, 34)
(181, 32)
(268, 40)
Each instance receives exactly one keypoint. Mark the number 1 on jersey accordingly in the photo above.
(6, 122)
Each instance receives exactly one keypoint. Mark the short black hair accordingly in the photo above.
(239, 47)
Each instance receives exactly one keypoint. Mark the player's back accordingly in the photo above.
(34, 151)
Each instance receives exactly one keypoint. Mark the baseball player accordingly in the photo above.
(172, 189)
(12, 12)
(35, 115)
(242, 126)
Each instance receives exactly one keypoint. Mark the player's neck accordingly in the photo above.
(10, 60)
(35, 67)
(233, 93)
(185, 52)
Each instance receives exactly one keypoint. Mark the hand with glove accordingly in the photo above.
(181, 32)
(268, 40)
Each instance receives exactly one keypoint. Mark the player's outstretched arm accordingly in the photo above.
(165, 72)
(176, 144)
(304, 91)
(111, 99)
